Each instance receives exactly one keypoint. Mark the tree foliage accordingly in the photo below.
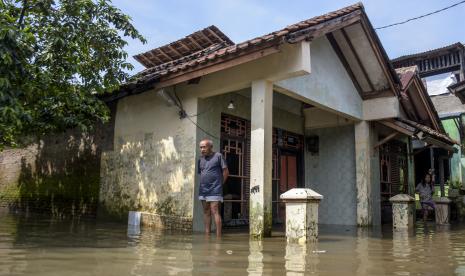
(56, 57)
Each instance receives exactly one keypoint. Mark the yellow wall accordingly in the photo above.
(152, 166)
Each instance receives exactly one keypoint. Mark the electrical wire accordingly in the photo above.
(421, 16)
(204, 131)
(183, 114)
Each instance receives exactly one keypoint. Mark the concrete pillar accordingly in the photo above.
(462, 66)
(431, 159)
(301, 214)
(134, 218)
(363, 152)
(134, 223)
(260, 216)
(403, 211)
(441, 176)
(411, 169)
(442, 210)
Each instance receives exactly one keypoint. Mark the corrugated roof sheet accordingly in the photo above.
(429, 131)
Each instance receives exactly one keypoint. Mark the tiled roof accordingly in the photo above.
(193, 43)
(456, 45)
(210, 55)
(429, 131)
(458, 89)
(459, 85)
(406, 74)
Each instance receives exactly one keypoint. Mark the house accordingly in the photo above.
(442, 71)
(316, 104)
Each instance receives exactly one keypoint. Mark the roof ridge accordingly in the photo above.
(358, 5)
(273, 38)
(194, 42)
(187, 58)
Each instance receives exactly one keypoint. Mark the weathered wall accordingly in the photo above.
(456, 162)
(328, 85)
(152, 166)
(209, 119)
(447, 104)
(59, 175)
(331, 173)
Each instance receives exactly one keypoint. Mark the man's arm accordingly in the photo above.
(224, 166)
(225, 174)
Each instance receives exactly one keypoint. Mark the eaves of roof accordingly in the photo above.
(456, 45)
(217, 54)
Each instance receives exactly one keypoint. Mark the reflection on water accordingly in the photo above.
(295, 259)
(255, 258)
(48, 247)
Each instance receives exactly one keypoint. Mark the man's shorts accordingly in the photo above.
(211, 198)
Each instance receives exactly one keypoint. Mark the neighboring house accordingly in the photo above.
(443, 72)
(316, 104)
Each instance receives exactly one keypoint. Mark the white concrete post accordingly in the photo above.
(442, 211)
(260, 217)
(134, 218)
(363, 151)
(301, 214)
(403, 211)
(411, 168)
(134, 223)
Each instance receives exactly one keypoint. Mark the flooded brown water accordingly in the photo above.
(50, 247)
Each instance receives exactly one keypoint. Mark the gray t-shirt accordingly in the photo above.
(425, 192)
(210, 169)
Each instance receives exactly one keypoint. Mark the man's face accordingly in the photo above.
(205, 148)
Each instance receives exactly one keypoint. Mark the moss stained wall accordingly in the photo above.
(58, 175)
(152, 166)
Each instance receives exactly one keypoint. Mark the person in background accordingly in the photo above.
(426, 190)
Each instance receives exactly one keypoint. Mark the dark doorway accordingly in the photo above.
(288, 180)
(287, 168)
(393, 175)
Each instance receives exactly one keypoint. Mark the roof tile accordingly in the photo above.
(225, 48)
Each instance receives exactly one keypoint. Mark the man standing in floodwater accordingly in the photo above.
(213, 172)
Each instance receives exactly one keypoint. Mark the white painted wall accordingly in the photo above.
(152, 166)
(381, 108)
(328, 85)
